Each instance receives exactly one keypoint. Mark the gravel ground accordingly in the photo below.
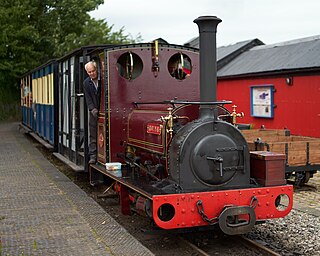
(296, 234)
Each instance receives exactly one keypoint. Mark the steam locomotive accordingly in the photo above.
(165, 144)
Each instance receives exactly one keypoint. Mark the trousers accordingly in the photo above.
(93, 123)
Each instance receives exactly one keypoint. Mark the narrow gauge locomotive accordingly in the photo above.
(182, 165)
(163, 143)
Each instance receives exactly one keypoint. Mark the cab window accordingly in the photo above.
(179, 66)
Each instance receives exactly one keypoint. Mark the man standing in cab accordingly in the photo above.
(92, 96)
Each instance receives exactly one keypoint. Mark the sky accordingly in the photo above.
(271, 21)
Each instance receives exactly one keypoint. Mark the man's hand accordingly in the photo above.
(94, 112)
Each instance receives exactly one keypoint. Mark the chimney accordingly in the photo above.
(208, 62)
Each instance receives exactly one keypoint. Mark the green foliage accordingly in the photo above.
(95, 32)
(9, 98)
(16, 45)
(35, 31)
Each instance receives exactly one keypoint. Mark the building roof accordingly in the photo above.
(194, 42)
(291, 56)
(225, 54)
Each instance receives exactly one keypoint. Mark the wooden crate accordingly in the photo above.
(268, 168)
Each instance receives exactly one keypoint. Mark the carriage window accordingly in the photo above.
(179, 66)
(129, 65)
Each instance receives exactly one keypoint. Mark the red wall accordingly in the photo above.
(297, 105)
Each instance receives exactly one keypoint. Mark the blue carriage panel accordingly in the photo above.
(30, 117)
(51, 130)
(44, 121)
(33, 119)
(49, 122)
(48, 70)
(24, 115)
(38, 118)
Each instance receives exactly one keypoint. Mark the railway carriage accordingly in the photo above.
(53, 106)
(164, 140)
(38, 101)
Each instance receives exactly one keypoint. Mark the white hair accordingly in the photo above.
(93, 63)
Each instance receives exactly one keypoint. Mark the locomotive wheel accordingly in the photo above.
(307, 177)
(302, 178)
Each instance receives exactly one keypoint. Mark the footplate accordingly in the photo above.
(231, 223)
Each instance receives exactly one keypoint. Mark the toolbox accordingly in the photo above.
(268, 168)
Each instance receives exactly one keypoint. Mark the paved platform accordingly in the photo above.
(42, 212)
(309, 200)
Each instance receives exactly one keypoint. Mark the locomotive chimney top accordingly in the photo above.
(207, 23)
(208, 62)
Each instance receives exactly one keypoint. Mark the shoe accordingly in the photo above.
(92, 161)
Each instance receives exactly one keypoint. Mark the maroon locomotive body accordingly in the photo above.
(123, 92)
(163, 141)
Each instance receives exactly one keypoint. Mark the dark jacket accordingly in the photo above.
(91, 94)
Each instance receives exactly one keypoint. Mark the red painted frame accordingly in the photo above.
(186, 213)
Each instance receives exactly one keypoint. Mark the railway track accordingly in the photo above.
(172, 244)
(243, 245)
(265, 250)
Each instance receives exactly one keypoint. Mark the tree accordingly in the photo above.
(35, 31)
(95, 32)
(17, 51)
(65, 18)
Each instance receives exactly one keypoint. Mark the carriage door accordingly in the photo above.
(70, 144)
(80, 115)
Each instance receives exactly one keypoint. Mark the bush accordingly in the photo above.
(10, 109)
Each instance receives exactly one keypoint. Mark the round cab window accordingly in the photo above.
(179, 66)
(129, 65)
